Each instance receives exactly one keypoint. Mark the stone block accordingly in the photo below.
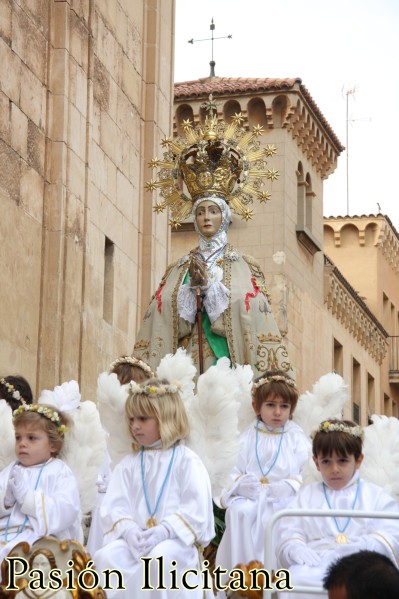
(135, 12)
(36, 147)
(19, 131)
(10, 169)
(101, 84)
(131, 82)
(77, 175)
(32, 192)
(111, 181)
(124, 195)
(5, 21)
(77, 132)
(79, 41)
(78, 87)
(60, 25)
(33, 97)
(5, 118)
(37, 10)
(110, 139)
(107, 10)
(11, 64)
(58, 81)
(134, 47)
(98, 168)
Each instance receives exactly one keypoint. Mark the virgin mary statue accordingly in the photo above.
(212, 301)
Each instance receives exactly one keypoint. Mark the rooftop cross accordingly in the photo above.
(212, 62)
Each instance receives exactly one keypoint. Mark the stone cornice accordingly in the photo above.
(349, 309)
(386, 239)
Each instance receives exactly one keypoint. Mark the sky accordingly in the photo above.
(333, 46)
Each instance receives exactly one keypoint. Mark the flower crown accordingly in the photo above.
(271, 379)
(134, 362)
(332, 427)
(152, 390)
(15, 394)
(48, 413)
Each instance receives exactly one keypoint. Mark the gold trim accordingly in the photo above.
(378, 534)
(44, 515)
(227, 316)
(175, 315)
(116, 524)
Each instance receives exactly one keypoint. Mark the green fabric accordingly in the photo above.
(218, 344)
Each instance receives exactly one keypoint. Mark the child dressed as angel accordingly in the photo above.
(158, 502)
(39, 494)
(308, 545)
(267, 475)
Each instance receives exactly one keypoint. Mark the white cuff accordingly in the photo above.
(186, 303)
(216, 300)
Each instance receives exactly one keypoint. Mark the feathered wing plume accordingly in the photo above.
(84, 444)
(244, 377)
(326, 400)
(381, 454)
(179, 368)
(213, 417)
(111, 398)
(7, 435)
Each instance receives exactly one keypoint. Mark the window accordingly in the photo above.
(108, 292)
(305, 199)
(338, 357)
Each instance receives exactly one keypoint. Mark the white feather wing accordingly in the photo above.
(85, 443)
(7, 435)
(111, 398)
(381, 454)
(213, 419)
(326, 400)
(244, 377)
(179, 368)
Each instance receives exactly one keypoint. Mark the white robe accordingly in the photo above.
(243, 539)
(319, 533)
(185, 505)
(55, 504)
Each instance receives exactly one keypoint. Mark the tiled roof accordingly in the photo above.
(223, 85)
(190, 90)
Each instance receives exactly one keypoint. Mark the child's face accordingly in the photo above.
(144, 429)
(274, 412)
(32, 445)
(336, 470)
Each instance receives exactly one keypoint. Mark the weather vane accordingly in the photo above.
(212, 28)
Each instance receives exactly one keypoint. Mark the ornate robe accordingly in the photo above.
(247, 324)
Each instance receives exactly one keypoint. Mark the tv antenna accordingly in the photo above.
(211, 39)
(349, 92)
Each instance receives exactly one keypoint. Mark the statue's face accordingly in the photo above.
(208, 218)
(41, 562)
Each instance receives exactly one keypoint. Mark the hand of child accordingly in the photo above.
(299, 553)
(248, 486)
(152, 537)
(278, 490)
(9, 498)
(19, 483)
(133, 537)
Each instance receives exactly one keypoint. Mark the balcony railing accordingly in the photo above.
(394, 359)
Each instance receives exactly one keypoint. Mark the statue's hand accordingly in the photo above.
(198, 273)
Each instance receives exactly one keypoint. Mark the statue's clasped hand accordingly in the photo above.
(198, 272)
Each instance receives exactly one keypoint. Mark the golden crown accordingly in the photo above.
(213, 158)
